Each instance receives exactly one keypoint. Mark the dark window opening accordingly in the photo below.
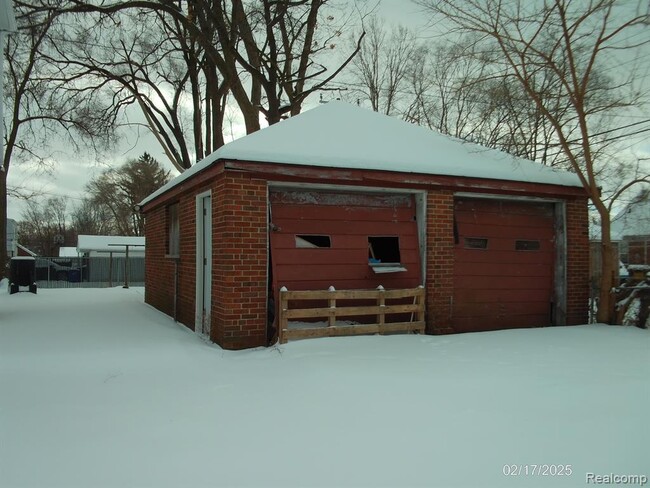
(521, 245)
(313, 241)
(476, 243)
(383, 249)
(173, 230)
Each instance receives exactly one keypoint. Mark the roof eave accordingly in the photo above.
(376, 177)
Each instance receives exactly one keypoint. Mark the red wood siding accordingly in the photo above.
(500, 287)
(348, 219)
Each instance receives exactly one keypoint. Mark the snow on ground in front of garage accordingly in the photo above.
(98, 389)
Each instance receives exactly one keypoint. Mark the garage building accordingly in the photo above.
(341, 196)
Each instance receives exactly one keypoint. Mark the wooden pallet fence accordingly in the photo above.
(335, 309)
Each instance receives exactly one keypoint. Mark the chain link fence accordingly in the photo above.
(89, 272)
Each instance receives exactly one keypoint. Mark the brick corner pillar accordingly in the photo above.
(577, 234)
(239, 282)
(440, 260)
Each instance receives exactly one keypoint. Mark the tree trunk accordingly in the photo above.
(608, 268)
(3, 222)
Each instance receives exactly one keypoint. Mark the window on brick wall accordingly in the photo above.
(173, 230)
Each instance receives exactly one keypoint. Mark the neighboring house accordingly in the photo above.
(105, 258)
(23, 251)
(12, 242)
(96, 259)
(320, 198)
(68, 252)
(94, 246)
(632, 228)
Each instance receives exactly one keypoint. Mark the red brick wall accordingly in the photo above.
(239, 254)
(158, 271)
(440, 260)
(577, 236)
(239, 283)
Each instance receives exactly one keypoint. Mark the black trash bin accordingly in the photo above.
(74, 276)
(22, 273)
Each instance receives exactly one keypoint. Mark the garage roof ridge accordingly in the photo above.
(341, 135)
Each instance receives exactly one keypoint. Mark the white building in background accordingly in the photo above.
(68, 252)
(12, 240)
(95, 246)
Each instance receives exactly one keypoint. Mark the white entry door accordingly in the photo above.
(203, 264)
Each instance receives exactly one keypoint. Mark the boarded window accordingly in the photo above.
(173, 230)
(476, 243)
(523, 245)
(383, 249)
(313, 241)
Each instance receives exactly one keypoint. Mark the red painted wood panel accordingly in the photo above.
(501, 255)
(282, 239)
(347, 227)
(348, 219)
(500, 287)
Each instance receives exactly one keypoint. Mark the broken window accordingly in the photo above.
(313, 241)
(383, 249)
(384, 255)
(173, 230)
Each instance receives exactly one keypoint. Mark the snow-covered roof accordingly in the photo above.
(109, 243)
(7, 18)
(68, 252)
(24, 249)
(340, 135)
(634, 220)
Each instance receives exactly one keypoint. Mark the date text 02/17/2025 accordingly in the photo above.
(537, 470)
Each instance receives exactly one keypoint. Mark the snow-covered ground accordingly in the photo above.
(97, 389)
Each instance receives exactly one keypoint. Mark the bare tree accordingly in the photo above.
(154, 63)
(91, 218)
(573, 43)
(43, 227)
(265, 53)
(382, 66)
(450, 100)
(449, 87)
(118, 190)
(43, 106)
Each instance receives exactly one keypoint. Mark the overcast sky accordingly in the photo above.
(70, 175)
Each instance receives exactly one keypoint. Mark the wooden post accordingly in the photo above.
(331, 318)
(110, 269)
(381, 302)
(420, 302)
(283, 323)
(126, 268)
